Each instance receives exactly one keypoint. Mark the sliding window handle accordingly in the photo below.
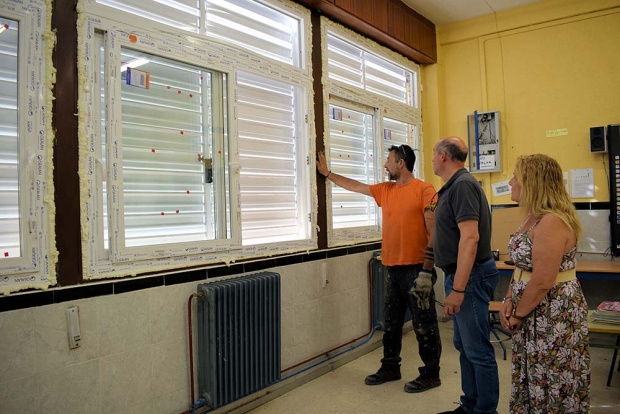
(208, 162)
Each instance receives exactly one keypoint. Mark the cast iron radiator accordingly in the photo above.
(238, 325)
(379, 276)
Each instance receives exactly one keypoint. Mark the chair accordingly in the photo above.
(495, 325)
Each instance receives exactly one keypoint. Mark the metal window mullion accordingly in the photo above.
(218, 147)
(208, 151)
(99, 174)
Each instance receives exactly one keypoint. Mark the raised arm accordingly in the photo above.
(339, 180)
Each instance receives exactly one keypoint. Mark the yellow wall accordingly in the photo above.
(546, 66)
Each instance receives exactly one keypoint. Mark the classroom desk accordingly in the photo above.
(606, 329)
(585, 269)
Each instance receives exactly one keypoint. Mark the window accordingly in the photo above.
(26, 236)
(351, 137)
(166, 152)
(398, 133)
(353, 66)
(257, 26)
(199, 152)
(274, 204)
(371, 104)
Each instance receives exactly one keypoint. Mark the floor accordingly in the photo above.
(343, 390)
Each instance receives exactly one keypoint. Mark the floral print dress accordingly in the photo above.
(550, 356)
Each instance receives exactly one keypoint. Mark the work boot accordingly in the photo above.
(422, 383)
(383, 375)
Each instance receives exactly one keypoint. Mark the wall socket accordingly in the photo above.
(73, 327)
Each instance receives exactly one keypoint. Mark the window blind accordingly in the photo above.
(398, 133)
(354, 66)
(254, 25)
(10, 240)
(351, 137)
(166, 131)
(271, 207)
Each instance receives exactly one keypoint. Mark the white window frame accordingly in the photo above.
(119, 252)
(35, 266)
(351, 233)
(385, 107)
(302, 51)
(212, 55)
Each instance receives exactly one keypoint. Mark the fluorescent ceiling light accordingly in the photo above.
(134, 63)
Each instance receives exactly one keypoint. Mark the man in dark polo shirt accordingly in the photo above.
(463, 250)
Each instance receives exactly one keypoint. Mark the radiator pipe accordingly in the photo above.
(202, 401)
(372, 333)
(370, 327)
(369, 334)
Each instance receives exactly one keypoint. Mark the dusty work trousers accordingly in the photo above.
(397, 299)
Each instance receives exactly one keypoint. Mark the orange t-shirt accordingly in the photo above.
(404, 232)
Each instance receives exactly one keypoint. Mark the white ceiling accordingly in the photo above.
(450, 11)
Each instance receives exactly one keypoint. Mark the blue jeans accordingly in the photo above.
(479, 376)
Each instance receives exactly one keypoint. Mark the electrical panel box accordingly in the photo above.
(483, 134)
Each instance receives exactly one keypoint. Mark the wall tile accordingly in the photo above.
(287, 284)
(170, 366)
(307, 322)
(123, 322)
(19, 396)
(125, 379)
(329, 317)
(18, 356)
(307, 280)
(52, 344)
(22, 319)
(168, 311)
(70, 390)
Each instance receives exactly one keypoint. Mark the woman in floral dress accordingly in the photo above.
(545, 308)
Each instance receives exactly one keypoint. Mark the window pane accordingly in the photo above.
(344, 62)
(181, 14)
(255, 26)
(248, 23)
(398, 133)
(169, 171)
(10, 238)
(351, 155)
(271, 207)
(386, 79)
(350, 64)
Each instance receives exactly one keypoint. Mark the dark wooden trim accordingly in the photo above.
(319, 126)
(66, 180)
(355, 23)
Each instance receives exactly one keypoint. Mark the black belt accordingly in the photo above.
(451, 268)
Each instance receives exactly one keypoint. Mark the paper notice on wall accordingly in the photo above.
(565, 175)
(487, 162)
(582, 183)
(501, 188)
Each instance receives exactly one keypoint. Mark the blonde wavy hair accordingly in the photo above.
(543, 191)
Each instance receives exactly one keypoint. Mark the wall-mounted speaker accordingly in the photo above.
(598, 142)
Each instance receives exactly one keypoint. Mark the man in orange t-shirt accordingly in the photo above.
(407, 251)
